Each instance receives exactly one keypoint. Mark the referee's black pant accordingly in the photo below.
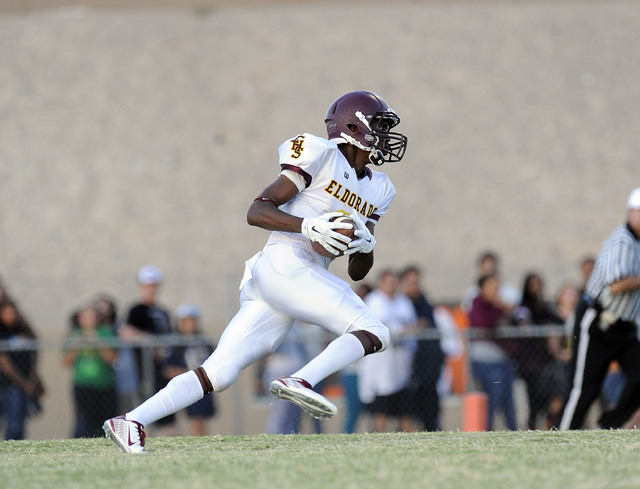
(594, 348)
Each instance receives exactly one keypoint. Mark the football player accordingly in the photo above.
(288, 281)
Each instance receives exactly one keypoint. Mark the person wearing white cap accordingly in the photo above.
(147, 318)
(606, 327)
(150, 275)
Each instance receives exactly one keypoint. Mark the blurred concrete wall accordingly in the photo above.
(141, 136)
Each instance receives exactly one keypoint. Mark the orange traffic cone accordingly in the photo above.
(475, 412)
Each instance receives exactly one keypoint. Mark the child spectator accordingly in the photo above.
(94, 381)
(184, 358)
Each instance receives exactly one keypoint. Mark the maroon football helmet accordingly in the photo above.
(365, 120)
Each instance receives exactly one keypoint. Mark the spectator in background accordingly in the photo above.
(349, 378)
(586, 267)
(428, 359)
(145, 319)
(127, 378)
(560, 349)
(533, 354)
(89, 353)
(106, 310)
(452, 344)
(491, 364)
(20, 385)
(566, 302)
(489, 264)
(127, 381)
(181, 359)
(383, 379)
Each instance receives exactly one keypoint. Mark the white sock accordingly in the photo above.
(180, 392)
(341, 352)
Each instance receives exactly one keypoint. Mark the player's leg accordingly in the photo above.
(314, 295)
(254, 331)
(310, 293)
(340, 353)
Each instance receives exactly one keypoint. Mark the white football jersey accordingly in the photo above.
(328, 183)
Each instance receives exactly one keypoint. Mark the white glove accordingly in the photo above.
(366, 241)
(322, 230)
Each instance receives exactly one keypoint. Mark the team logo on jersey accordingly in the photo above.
(346, 175)
(296, 146)
(350, 198)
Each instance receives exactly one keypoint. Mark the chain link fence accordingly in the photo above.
(535, 377)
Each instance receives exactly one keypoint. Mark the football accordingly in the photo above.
(350, 233)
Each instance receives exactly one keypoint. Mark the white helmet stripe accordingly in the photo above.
(364, 120)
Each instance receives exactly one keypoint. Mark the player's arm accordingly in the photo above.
(361, 263)
(264, 212)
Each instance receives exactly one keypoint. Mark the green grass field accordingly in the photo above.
(514, 460)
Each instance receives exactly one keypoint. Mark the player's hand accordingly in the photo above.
(365, 241)
(322, 230)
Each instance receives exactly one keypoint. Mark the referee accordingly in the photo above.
(606, 329)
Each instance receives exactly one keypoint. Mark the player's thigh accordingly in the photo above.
(256, 330)
(309, 293)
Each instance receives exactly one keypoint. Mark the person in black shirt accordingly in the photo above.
(428, 359)
(148, 318)
(533, 354)
(20, 386)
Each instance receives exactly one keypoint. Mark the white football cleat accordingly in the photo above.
(299, 392)
(128, 435)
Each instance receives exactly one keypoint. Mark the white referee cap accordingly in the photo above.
(150, 274)
(634, 199)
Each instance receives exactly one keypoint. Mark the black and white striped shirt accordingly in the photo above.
(618, 259)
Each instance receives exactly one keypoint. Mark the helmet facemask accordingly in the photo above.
(373, 134)
(389, 147)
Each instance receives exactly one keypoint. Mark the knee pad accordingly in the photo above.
(221, 376)
(370, 324)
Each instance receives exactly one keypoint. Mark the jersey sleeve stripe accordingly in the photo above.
(300, 171)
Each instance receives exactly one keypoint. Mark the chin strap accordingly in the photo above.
(375, 155)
